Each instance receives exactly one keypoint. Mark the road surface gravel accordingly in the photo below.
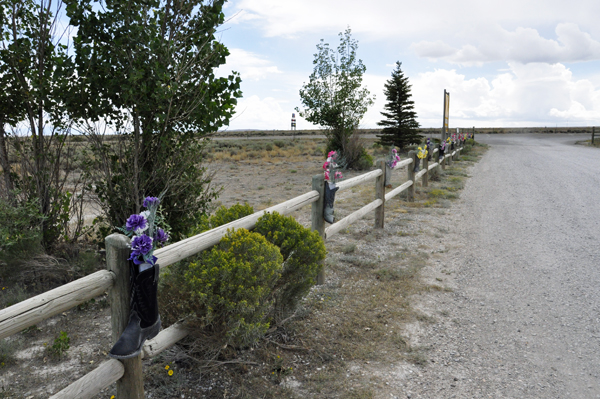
(523, 260)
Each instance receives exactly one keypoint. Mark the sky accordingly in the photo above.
(505, 63)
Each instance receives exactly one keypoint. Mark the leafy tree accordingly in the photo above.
(400, 126)
(35, 72)
(147, 69)
(334, 96)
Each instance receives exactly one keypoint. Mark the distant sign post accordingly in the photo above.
(445, 125)
(293, 121)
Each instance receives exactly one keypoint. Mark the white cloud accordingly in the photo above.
(535, 94)
(390, 18)
(250, 66)
(523, 45)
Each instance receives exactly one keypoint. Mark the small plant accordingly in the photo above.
(278, 370)
(60, 345)
(365, 161)
(347, 249)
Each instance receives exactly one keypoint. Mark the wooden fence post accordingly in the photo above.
(410, 193)
(318, 223)
(593, 132)
(380, 194)
(131, 385)
(473, 133)
(425, 179)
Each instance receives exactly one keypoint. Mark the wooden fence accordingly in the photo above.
(128, 373)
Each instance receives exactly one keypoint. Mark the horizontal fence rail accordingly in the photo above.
(345, 222)
(93, 382)
(355, 181)
(34, 310)
(398, 190)
(403, 163)
(193, 245)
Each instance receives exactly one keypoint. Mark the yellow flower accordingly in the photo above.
(112, 397)
(170, 372)
(167, 367)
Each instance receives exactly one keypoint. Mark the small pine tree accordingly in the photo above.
(401, 126)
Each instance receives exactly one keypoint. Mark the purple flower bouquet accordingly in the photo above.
(147, 236)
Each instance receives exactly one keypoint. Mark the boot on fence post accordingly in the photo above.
(131, 385)
(425, 179)
(318, 223)
(410, 193)
(380, 194)
(442, 156)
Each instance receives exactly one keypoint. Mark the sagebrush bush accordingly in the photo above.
(365, 161)
(223, 216)
(302, 251)
(20, 235)
(226, 294)
(20, 224)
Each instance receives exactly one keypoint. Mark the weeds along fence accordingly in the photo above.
(128, 373)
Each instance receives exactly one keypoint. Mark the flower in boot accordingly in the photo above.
(140, 246)
(136, 223)
(161, 236)
(151, 201)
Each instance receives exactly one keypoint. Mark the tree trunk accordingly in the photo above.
(5, 163)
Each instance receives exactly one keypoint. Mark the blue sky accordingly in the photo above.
(505, 63)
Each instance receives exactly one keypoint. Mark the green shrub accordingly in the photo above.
(365, 161)
(60, 345)
(225, 295)
(20, 236)
(223, 216)
(302, 251)
(20, 225)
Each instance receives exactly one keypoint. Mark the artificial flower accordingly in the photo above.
(136, 223)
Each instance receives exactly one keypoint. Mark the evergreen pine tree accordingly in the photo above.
(400, 128)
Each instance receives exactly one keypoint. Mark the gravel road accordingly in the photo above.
(523, 319)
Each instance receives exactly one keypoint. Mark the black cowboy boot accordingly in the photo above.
(441, 153)
(329, 198)
(144, 321)
(416, 169)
